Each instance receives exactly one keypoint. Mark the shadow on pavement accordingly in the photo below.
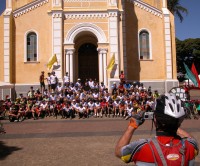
(6, 150)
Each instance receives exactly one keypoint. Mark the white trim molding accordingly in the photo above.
(164, 4)
(89, 15)
(25, 45)
(150, 44)
(74, 31)
(114, 40)
(9, 4)
(86, 15)
(168, 47)
(57, 39)
(7, 44)
(147, 8)
(29, 7)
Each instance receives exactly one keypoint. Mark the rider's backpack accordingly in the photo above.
(168, 155)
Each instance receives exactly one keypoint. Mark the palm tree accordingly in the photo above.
(175, 8)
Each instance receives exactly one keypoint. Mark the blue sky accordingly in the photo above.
(189, 28)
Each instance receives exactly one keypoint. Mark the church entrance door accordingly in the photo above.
(88, 62)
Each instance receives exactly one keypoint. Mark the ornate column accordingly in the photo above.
(70, 63)
(101, 73)
(105, 80)
(103, 65)
(67, 60)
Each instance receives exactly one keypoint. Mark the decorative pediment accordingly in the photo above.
(29, 7)
(147, 7)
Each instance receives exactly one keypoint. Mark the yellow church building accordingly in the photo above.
(84, 35)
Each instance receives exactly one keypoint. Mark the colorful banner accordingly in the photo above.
(112, 63)
(194, 71)
(190, 75)
(51, 61)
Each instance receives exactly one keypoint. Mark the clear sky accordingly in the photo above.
(189, 28)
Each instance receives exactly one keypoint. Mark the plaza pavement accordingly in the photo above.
(85, 142)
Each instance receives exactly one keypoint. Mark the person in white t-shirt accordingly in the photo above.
(54, 81)
(81, 111)
(97, 108)
(102, 87)
(130, 111)
(66, 79)
(116, 107)
(91, 83)
(59, 88)
(44, 107)
(96, 95)
(91, 106)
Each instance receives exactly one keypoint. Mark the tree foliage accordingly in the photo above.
(187, 51)
(176, 9)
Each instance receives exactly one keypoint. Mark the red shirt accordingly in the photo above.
(104, 104)
(140, 151)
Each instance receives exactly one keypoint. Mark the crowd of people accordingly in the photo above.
(80, 99)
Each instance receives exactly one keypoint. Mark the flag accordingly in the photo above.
(111, 63)
(51, 61)
(190, 75)
(194, 71)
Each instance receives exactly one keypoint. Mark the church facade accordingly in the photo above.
(85, 35)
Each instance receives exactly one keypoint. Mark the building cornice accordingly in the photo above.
(90, 15)
(29, 7)
(148, 8)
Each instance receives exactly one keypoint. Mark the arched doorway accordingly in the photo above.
(88, 62)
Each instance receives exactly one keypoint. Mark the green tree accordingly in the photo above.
(176, 9)
(187, 51)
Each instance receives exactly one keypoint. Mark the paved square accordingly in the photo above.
(55, 142)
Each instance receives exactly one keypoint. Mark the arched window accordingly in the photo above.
(31, 44)
(144, 45)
